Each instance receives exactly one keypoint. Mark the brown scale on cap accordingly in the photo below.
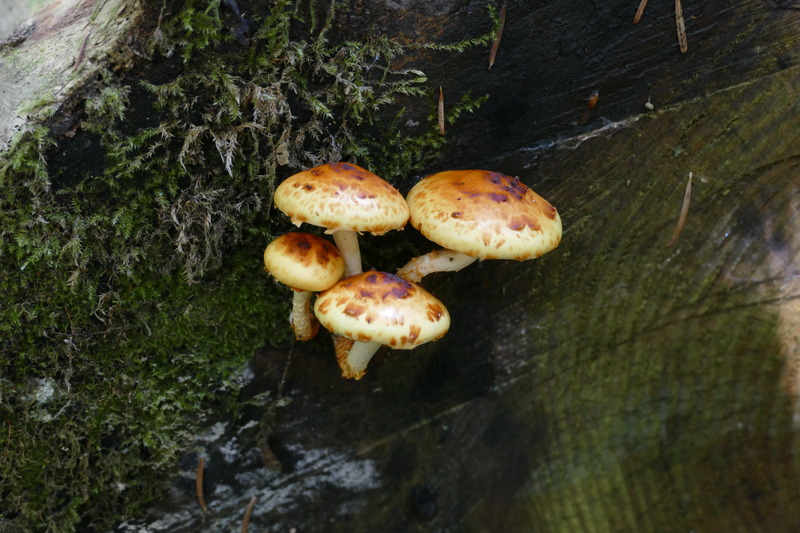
(435, 311)
(382, 307)
(484, 214)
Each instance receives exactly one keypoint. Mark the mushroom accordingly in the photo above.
(376, 308)
(478, 214)
(345, 199)
(307, 264)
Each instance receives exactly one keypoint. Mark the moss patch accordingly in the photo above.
(130, 241)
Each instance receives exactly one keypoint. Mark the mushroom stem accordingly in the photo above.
(355, 364)
(304, 323)
(347, 243)
(435, 261)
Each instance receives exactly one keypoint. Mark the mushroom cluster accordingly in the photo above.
(472, 214)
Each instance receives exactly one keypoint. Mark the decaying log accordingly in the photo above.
(614, 384)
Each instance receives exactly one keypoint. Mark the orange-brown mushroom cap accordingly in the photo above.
(342, 196)
(303, 261)
(484, 214)
(379, 307)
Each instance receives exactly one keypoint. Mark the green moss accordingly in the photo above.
(132, 289)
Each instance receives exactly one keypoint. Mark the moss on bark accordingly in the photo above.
(132, 230)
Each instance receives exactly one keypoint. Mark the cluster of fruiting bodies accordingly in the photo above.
(472, 214)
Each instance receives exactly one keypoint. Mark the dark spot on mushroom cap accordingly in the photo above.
(490, 185)
(508, 184)
(354, 309)
(348, 168)
(456, 214)
(394, 286)
(521, 222)
(397, 292)
(349, 171)
(307, 248)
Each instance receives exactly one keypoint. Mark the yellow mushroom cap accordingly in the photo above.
(379, 307)
(304, 262)
(484, 214)
(342, 196)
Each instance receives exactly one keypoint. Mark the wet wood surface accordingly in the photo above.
(615, 384)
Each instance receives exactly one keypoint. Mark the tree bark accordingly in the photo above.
(51, 58)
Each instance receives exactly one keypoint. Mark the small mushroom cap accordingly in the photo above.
(484, 214)
(380, 307)
(342, 196)
(304, 262)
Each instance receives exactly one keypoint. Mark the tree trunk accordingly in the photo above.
(644, 376)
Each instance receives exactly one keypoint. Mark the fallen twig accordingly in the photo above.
(198, 483)
(496, 44)
(682, 41)
(639, 11)
(687, 196)
(441, 111)
(591, 102)
(247, 513)
(81, 51)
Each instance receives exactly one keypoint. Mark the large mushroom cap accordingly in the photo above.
(304, 262)
(342, 196)
(484, 214)
(380, 307)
